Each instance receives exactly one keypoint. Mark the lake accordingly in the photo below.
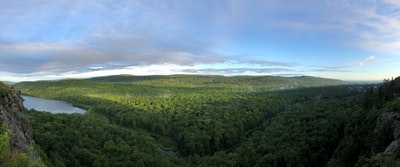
(53, 106)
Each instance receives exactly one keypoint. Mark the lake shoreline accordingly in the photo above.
(50, 105)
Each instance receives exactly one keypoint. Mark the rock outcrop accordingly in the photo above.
(392, 147)
(388, 124)
(13, 116)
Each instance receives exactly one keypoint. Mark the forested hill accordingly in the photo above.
(265, 82)
(184, 120)
(153, 85)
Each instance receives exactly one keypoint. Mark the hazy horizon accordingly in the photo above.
(89, 77)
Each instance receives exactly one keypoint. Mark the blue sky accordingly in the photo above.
(343, 39)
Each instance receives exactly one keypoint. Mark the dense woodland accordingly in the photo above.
(211, 121)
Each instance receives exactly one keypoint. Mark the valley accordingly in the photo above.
(184, 120)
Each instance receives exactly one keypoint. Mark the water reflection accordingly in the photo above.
(53, 106)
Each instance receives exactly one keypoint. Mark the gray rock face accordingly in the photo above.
(12, 114)
(388, 120)
(392, 146)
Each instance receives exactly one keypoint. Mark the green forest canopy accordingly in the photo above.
(186, 120)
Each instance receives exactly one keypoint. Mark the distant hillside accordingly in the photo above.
(257, 82)
(8, 82)
(152, 85)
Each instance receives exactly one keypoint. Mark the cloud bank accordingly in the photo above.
(50, 38)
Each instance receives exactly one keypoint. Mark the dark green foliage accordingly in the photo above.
(4, 90)
(91, 140)
(13, 158)
(185, 120)
(213, 80)
(383, 98)
(384, 95)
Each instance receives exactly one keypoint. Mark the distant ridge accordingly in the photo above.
(126, 78)
(8, 82)
(272, 82)
(253, 83)
(133, 78)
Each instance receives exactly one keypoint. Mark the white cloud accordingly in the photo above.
(377, 27)
(392, 2)
(370, 25)
(96, 68)
(370, 59)
(155, 69)
(36, 47)
(160, 69)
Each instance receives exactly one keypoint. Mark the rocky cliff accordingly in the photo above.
(13, 117)
(388, 127)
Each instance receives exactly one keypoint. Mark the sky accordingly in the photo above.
(341, 39)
